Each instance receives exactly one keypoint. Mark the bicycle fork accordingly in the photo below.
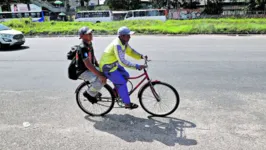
(158, 98)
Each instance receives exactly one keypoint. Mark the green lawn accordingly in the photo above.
(199, 26)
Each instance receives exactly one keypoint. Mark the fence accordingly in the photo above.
(183, 14)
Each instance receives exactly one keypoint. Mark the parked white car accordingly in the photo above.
(10, 37)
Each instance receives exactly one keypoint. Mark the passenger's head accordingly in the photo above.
(85, 34)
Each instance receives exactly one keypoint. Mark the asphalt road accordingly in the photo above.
(221, 81)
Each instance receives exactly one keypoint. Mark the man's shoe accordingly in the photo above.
(131, 106)
(98, 95)
(90, 98)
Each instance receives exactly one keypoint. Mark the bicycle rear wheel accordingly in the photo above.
(105, 102)
(164, 104)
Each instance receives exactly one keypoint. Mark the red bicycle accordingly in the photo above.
(152, 95)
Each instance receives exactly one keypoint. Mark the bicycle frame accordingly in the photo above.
(137, 77)
(146, 77)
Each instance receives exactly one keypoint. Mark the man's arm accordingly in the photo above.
(96, 62)
(120, 55)
(87, 61)
(91, 67)
(133, 53)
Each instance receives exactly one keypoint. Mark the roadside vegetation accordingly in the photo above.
(196, 26)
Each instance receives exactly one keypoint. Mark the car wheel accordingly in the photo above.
(2, 46)
(17, 46)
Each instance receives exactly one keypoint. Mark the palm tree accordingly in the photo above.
(256, 5)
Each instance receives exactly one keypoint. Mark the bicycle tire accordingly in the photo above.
(107, 87)
(164, 84)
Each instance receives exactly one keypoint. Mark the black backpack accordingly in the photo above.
(72, 53)
(72, 68)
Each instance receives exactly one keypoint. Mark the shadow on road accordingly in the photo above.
(167, 130)
(10, 49)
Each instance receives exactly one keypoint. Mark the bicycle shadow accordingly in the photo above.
(166, 130)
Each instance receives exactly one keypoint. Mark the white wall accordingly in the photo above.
(74, 3)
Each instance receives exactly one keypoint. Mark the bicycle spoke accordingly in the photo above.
(168, 99)
(164, 106)
(162, 91)
(161, 107)
(150, 94)
(154, 105)
(152, 101)
(106, 98)
(149, 97)
(103, 104)
(157, 91)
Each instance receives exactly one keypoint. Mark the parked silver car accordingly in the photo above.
(10, 37)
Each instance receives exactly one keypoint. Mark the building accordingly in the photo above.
(76, 3)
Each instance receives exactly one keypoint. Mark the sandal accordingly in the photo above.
(131, 106)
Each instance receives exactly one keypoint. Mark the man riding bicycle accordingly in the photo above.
(113, 61)
(88, 64)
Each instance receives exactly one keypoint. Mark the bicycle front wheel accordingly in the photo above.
(159, 99)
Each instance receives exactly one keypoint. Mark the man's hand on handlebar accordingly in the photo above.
(144, 57)
(142, 67)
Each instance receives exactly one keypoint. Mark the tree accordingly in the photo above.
(87, 1)
(123, 4)
(159, 3)
(6, 3)
(213, 7)
(251, 6)
(116, 4)
(189, 4)
(133, 4)
(25, 1)
(175, 3)
(82, 3)
(256, 5)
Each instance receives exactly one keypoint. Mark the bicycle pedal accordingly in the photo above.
(121, 104)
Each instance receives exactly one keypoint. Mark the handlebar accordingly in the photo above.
(146, 62)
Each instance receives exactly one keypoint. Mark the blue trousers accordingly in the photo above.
(118, 77)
